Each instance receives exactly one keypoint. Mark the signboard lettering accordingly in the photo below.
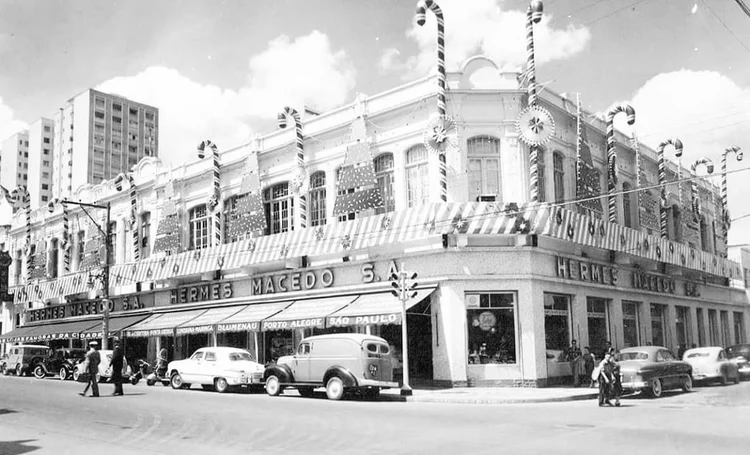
(295, 281)
(90, 307)
(572, 269)
(201, 293)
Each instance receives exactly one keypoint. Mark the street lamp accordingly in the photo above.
(104, 276)
(404, 288)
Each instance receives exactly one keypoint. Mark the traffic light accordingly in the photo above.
(404, 286)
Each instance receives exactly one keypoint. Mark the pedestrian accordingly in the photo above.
(615, 390)
(573, 357)
(607, 348)
(91, 366)
(161, 363)
(681, 351)
(116, 364)
(589, 363)
(605, 380)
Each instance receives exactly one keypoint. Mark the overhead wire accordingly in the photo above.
(744, 46)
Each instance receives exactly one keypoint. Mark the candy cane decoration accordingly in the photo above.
(65, 244)
(533, 16)
(612, 155)
(677, 144)
(726, 221)
(694, 187)
(22, 201)
(300, 178)
(133, 213)
(214, 202)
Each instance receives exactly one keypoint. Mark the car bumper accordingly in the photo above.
(256, 378)
(634, 385)
(704, 377)
(373, 383)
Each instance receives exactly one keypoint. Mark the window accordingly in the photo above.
(317, 199)
(99, 102)
(557, 323)
(99, 115)
(540, 168)
(681, 326)
(384, 177)
(45, 186)
(46, 140)
(19, 266)
(112, 243)
(597, 319)
(145, 231)
(46, 151)
(630, 323)
(230, 217)
(52, 260)
(117, 120)
(701, 326)
(558, 168)
(348, 216)
(725, 340)
(198, 227)
(210, 356)
(117, 107)
(484, 167)
(627, 205)
(45, 175)
(81, 246)
(739, 328)
(417, 186)
(491, 325)
(45, 163)
(657, 325)
(713, 328)
(47, 128)
(279, 207)
(149, 115)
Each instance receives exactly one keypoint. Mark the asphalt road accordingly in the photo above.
(48, 416)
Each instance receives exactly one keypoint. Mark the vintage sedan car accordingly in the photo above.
(219, 368)
(740, 355)
(21, 358)
(60, 361)
(344, 362)
(653, 369)
(711, 364)
(105, 370)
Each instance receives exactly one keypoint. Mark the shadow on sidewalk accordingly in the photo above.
(17, 447)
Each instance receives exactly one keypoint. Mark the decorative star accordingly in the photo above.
(430, 226)
(385, 223)
(346, 242)
(220, 262)
(251, 245)
(163, 262)
(319, 233)
(197, 255)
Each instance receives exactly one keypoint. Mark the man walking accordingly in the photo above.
(573, 357)
(116, 365)
(91, 365)
(605, 381)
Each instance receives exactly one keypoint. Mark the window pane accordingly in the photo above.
(384, 174)
(556, 325)
(491, 329)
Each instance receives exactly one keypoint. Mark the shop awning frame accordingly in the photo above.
(374, 308)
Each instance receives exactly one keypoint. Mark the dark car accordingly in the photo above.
(653, 369)
(739, 354)
(60, 362)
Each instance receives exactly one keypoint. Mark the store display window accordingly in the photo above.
(556, 326)
(491, 320)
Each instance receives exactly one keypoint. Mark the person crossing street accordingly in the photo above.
(91, 366)
(116, 364)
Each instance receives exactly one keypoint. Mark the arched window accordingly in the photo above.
(52, 260)
(540, 174)
(417, 185)
(558, 168)
(112, 257)
(279, 207)
(626, 205)
(484, 167)
(198, 220)
(348, 216)
(317, 199)
(145, 235)
(81, 247)
(384, 175)
(231, 216)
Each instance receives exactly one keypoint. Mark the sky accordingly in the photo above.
(222, 70)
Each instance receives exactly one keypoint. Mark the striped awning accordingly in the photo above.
(379, 308)
(116, 326)
(205, 322)
(249, 318)
(162, 324)
(305, 314)
(59, 331)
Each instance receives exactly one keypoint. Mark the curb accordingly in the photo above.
(467, 400)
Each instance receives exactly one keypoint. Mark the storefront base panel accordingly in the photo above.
(519, 383)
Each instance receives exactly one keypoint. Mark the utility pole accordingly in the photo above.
(404, 288)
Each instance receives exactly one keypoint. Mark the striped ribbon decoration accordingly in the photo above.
(726, 221)
(677, 144)
(421, 17)
(65, 244)
(612, 155)
(299, 183)
(533, 16)
(695, 198)
(133, 212)
(214, 202)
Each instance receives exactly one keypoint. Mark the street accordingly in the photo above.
(48, 416)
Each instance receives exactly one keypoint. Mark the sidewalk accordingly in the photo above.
(493, 395)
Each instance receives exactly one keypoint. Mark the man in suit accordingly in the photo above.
(92, 368)
(116, 365)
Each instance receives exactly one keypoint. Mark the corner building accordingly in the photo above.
(504, 284)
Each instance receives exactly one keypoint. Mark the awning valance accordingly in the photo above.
(16, 335)
(61, 331)
(249, 318)
(304, 314)
(205, 322)
(380, 308)
(116, 325)
(162, 324)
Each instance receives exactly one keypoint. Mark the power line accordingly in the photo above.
(725, 26)
(744, 7)
(634, 4)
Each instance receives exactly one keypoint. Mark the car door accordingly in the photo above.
(301, 364)
(209, 367)
(725, 366)
(672, 368)
(191, 367)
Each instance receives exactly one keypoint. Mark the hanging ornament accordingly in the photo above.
(441, 135)
(535, 125)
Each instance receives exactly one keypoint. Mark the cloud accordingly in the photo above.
(289, 72)
(390, 61)
(708, 112)
(9, 125)
(483, 27)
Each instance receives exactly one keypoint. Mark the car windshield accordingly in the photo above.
(239, 356)
(635, 355)
(696, 355)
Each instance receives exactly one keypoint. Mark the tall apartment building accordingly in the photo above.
(99, 135)
(15, 169)
(41, 143)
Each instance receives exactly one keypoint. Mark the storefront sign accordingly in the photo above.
(655, 283)
(201, 293)
(572, 269)
(307, 323)
(90, 307)
(239, 327)
(295, 281)
(194, 330)
(342, 321)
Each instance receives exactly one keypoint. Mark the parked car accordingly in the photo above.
(341, 363)
(653, 369)
(105, 371)
(711, 364)
(61, 362)
(740, 355)
(22, 357)
(216, 368)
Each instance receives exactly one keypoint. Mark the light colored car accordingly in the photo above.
(740, 355)
(219, 368)
(21, 358)
(711, 364)
(105, 371)
(343, 362)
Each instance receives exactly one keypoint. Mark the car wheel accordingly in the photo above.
(687, 384)
(723, 379)
(39, 372)
(306, 392)
(737, 379)
(6, 371)
(221, 385)
(335, 388)
(656, 388)
(63, 373)
(76, 375)
(177, 381)
(19, 370)
(273, 386)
